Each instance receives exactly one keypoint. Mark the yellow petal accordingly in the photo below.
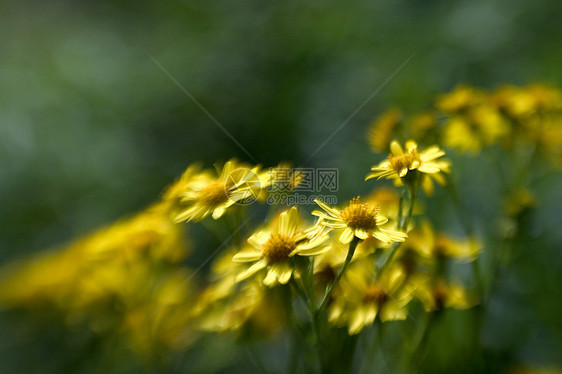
(395, 148)
(357, 321)
(284, 273)
(391, 311)
(247, 255)
(271, 277)
(346, 236)
(218, 212)
(251, 270)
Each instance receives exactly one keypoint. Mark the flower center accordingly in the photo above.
(405, 160)
(375, 294)
(441, 247)
(278, 247)
(440, 294)
(213, 194)
(360, 216)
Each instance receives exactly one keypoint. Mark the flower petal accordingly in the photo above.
(251, 270)
(284, 273)
(346, 236)
(271, 277)
(396, 149)
(247, 255)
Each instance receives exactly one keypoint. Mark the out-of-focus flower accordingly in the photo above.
(386, 199)
(519, 103)
(360, 220)
(204, 193)
(461, 98)
(473, 120)
(421, 124)
(519, 201)
(125, 278)
(226, 305)
(481, 125)
(273, 247)
(437, 293)
(429, 244)
(363, 297)
(550, 139)
(381, 129)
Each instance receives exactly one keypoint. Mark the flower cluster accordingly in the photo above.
(319, 271)
(469, 119)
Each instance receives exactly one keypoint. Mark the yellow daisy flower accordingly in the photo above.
(436, 294)
(273, 247)
(357, 220)
(399, 162)
(203, 193)
(363, 297)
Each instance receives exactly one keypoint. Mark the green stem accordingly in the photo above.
(348, 258)
(412, 188)
(400, 209)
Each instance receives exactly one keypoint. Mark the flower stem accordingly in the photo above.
(330, 289)
(403, 227)
(412, 189)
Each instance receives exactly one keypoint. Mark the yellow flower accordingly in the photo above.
(428, 244)
(273, 247)
(400, 162)
(479, 126)
(380, 130)
(550, 140)
(514, 101)
(458, 100)
(363, 297)
(474, 119)
(522, 102)
(357, 220)
(126, 278)
(421, 124)
(203, 193)
(436, 294)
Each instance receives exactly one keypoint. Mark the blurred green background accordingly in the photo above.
(92, 129)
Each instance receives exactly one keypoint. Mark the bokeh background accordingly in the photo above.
(92, 128)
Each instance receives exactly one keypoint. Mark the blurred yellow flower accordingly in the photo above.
(429, 244)
(458, 100)
(203, 193)
(481, 125)
(362, 297)
(437, 293)
(421, 123)
(125, 278)
(381, 129)
(360, 220)
(273, 247)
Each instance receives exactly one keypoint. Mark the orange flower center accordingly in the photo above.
(440, 294)
(360, 216)
(403, 161)
(214, 194)
(375, 294)
(278, 247)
